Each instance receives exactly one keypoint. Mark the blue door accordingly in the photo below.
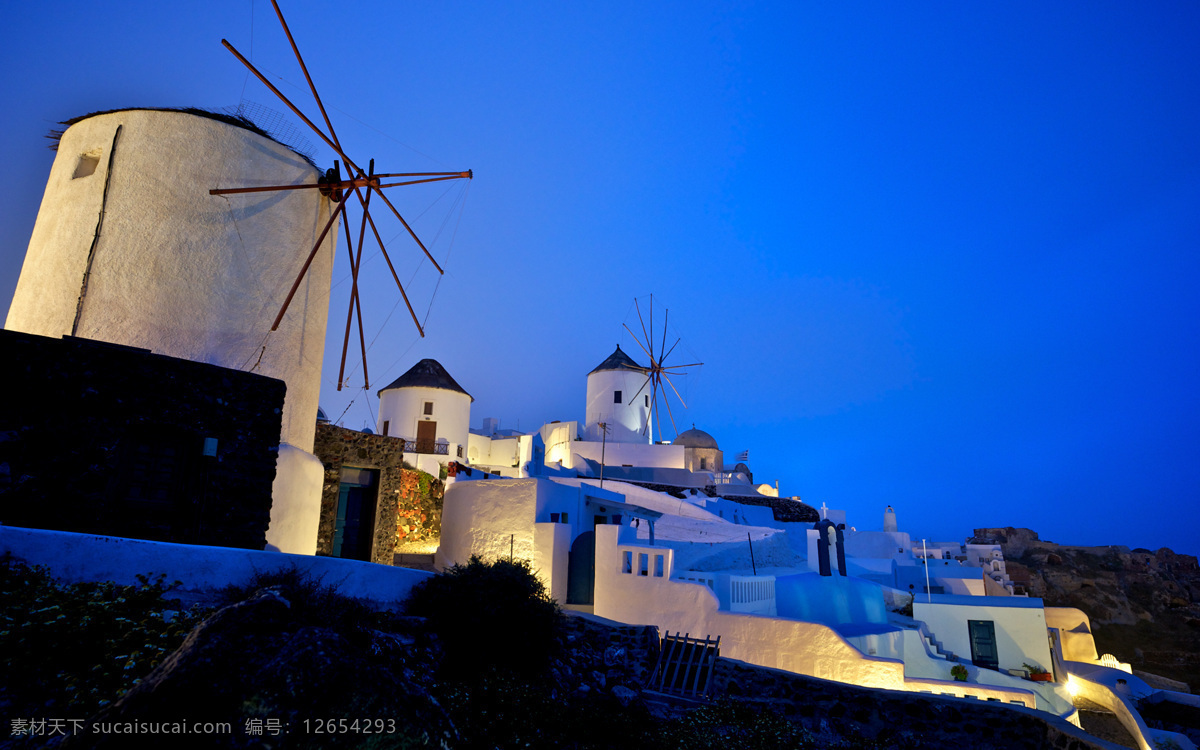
(581, 569)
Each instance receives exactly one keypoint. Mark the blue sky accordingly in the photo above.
(938, 256)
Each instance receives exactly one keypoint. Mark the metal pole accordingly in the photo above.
(928, 591)
(603, 446)
(751, 543)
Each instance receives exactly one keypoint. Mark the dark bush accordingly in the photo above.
(77, 647)
(310, 599)
(489, 616)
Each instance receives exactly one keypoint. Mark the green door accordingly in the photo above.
(983, 644)
(354, 530)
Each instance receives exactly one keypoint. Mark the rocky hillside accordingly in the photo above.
(1144, 606)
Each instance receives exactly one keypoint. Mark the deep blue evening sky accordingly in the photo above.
(939, 256)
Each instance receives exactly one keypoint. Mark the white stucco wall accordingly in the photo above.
(74, 558)
(181, 272)
(403, 408)
(626, 420)
(551, 557)
(296, 502)
(500, 452)
(1021, 635)
(559, 439)
(479, 517)
(1074, 632)
(631, 454)
(950, 575)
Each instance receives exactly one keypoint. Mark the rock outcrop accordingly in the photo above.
(1144, 606)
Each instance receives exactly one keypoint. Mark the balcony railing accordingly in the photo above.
(427, 446)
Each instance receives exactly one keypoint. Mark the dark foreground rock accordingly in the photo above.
(274, 680)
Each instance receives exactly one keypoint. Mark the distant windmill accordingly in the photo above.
(658, 371)
(335, 187)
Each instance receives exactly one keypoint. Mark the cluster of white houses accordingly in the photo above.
(671, 535)
(675, 537)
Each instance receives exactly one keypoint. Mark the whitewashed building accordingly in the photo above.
(619, 397)
(431, 411)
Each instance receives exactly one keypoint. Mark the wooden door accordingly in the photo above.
(426, 436)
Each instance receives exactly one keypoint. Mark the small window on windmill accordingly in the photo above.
(428, 408)
(616, 397)
(386, 424)
(703, 464)
(87, 164)
(647, 401)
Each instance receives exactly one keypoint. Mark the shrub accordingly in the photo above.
(488, 616)
(311, 600)
(81, 645)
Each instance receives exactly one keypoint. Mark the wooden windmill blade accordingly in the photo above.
(334, 187)
(355, 300)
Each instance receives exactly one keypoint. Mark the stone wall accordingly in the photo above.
(108, 439)
(896, 718)
(408, 507)
(605, 654)
(419, 507)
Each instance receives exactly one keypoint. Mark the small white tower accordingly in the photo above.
(428, 407)
(613, 398)
(889, 519)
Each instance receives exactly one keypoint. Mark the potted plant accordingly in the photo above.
(1037, 674)
(959, 672)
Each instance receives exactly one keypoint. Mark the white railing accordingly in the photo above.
(1112, 662)
(752, 595)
